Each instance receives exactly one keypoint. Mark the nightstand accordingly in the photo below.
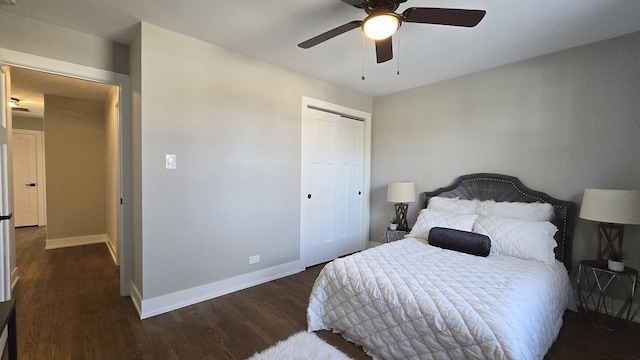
(8, 317)
(393, 235)
(606, 296)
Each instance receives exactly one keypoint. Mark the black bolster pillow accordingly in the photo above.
(458, 240)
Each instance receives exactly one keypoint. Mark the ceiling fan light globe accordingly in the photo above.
(380, 26)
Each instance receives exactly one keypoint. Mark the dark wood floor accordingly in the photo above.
(69, 308)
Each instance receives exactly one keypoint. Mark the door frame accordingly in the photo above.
(41, 178)
(7, 243)
(308, 102)
(59, 67)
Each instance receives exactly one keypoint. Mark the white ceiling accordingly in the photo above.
(271, 29)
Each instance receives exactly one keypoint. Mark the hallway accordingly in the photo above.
(68, 301)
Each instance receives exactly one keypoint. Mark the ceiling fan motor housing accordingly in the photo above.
(381, 6)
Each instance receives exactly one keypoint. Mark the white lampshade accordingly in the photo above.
(401, 192)
(611, 206)
(380, 26)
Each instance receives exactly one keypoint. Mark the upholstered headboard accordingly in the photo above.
(487, 186)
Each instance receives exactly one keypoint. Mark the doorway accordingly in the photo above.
(80, 129)
(122, 106)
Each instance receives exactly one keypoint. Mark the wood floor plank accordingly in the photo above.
(69, 307)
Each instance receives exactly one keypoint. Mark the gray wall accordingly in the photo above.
(136, 161)
(234, 124)
(561, 123)
(37, 38)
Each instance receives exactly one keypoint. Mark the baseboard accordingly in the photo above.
(14, 278)
(75, 241)
(112, 249)
(165, 303)
(136, 298)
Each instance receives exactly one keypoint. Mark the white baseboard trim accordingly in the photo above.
(14, 278)
(75, 241)
(165, 303)
(136, 298)
(112, 249)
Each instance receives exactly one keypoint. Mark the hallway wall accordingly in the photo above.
(28, 123)
(112, 156)
(75, 167)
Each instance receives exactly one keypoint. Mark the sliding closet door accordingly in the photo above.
(332, 186)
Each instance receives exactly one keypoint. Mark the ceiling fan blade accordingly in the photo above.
(330, 34)
(439, 16)
(384, 50)
(356, 3)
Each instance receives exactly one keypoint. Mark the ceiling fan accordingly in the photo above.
(382, 22)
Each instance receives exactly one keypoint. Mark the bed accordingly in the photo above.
(501, 299)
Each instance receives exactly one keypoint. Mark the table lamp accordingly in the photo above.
(401, 193)
(612, 209)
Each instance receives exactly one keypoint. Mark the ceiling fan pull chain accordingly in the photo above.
(398, 70)
(363, 47)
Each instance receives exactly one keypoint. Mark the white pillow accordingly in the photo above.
(516, 210)
(453, 205)
(428, 219)
(530, 240)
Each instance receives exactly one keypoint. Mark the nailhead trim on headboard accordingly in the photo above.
(539, 199)
(565, 208)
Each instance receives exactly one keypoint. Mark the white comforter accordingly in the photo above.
(408, 299)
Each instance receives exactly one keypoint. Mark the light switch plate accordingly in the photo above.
(170, 161)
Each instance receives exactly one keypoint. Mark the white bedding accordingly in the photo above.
(408, 299)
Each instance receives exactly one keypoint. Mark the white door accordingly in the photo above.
(332, 186)
(25, 179)
(6, 228)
